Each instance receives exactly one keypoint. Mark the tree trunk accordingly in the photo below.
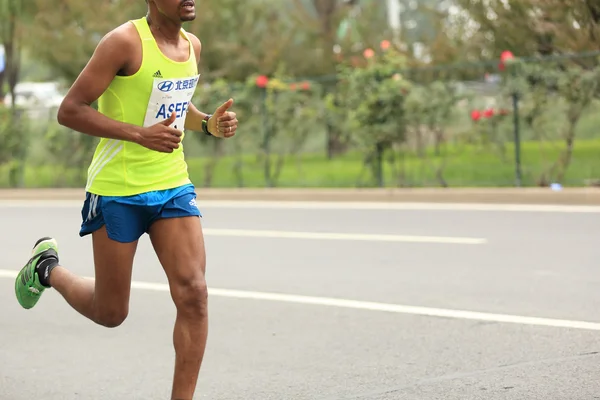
(439, 137)
(565, 157)
(378, 166)
(13, 56)
(335, 142)
(326, 11)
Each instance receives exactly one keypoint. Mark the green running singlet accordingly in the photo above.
(161, 86)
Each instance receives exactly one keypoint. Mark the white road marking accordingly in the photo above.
(391, 206)
(8, 274)
(341, 236)
(325, 205)
(371, 306)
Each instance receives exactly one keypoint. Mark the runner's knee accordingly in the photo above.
(111, 317)
(191, 296)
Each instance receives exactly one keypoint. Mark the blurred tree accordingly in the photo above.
(555, 96)
(70, 151)
(337, 31)
(65, 34)
(266, 35)
(15, 16)
(374, 100)
(209, 97)
(14, 140)
(239, 41)
(295, 110)
(328, 24)
(14, 133)
(425, 33)
(529, 27)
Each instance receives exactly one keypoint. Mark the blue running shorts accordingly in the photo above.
(127, 218)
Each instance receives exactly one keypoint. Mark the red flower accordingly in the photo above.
(305, 86)
(489, 113)
(504, 57)
(475, 115)
(368, 53)
(262, 81)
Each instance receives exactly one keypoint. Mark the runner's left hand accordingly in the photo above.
(223, 123)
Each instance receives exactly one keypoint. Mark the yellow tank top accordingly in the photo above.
(161, 86)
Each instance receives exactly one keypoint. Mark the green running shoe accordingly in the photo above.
(28, 286)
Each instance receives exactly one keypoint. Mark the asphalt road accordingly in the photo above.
(530, 264)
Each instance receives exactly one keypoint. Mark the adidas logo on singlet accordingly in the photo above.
(157, 74)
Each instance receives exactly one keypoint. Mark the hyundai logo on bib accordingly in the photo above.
(184, 84)
(166, 86)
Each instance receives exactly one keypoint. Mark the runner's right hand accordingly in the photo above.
(161, 137)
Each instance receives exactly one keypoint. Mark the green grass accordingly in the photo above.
(466, 166)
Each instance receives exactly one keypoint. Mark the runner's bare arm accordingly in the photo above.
(113, 54)
(75, 112)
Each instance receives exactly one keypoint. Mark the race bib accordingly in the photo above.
(170, 96)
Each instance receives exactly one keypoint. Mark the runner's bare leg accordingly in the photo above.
(179, 245)
(105, 300)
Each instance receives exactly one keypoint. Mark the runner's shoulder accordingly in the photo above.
(122, 39)
(196, 43)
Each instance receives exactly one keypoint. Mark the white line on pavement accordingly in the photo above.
(341, 236)
(371, 306)
(314, 205)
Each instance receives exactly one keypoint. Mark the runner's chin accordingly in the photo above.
(188, 14)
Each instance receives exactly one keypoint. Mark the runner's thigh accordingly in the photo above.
(179, 245)
(113, 264)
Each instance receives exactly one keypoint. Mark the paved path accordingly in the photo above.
(431, 318)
